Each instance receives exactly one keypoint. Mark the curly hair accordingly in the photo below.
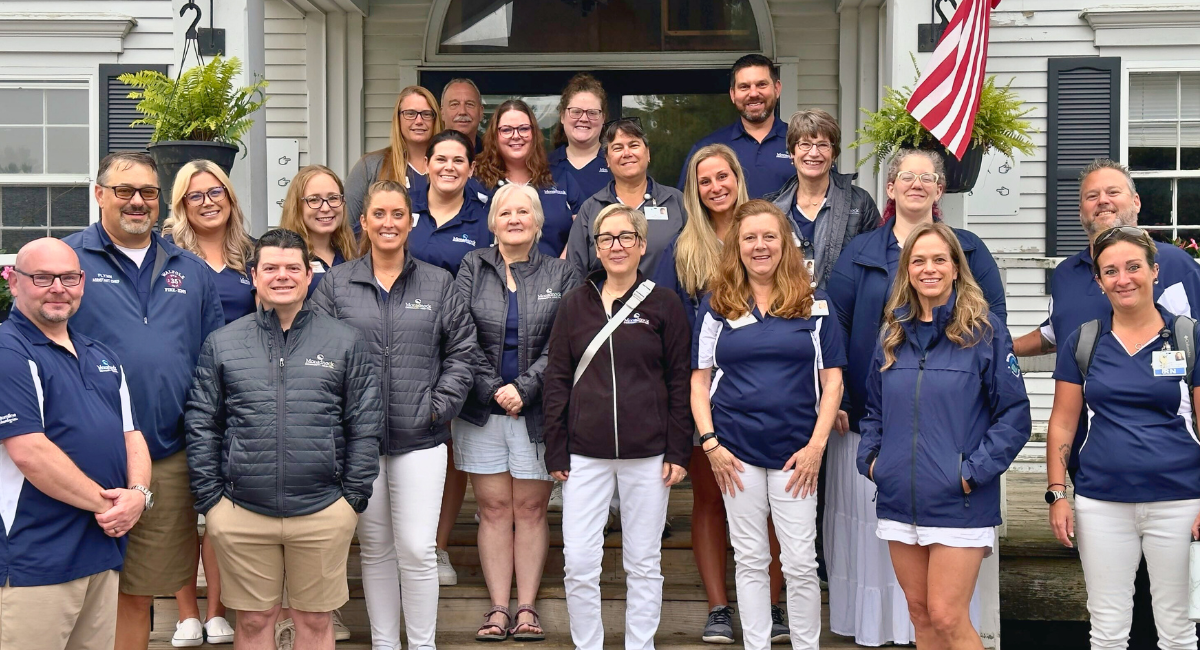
(490, 168)
(792, 295)
(581, 83)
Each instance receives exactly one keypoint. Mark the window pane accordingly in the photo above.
(68, 149)
(1189, 201)
(1189, 153)
(1163, 237)
(67, 106)
(20, 106)
(673, 123)
(63, 232)
(21, 150)
(1152, 146)
(22, 206)
(11, 241)
(69, 206)
(1156, 201)
(1153, 96)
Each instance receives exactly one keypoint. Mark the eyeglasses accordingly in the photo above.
(821, 147)
(593, 114)
(632, 119)
(411, 115)
(335, 201)
(928, 178)
(126, 192)
(215, 194)
(1132, 231)
(43, 280)
(507, 131)
(605, 241)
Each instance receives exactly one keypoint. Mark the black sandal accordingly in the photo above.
(527, 635)
(488, 624)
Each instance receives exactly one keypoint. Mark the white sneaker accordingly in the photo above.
(285, 634)
(446, 574)
(217, 631)
(555, 504)
(188, 633)
(340, 631)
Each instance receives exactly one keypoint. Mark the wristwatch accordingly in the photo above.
(147, 493)
(1053, 496)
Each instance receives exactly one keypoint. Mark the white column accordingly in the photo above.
(848, 86)
(868, 85)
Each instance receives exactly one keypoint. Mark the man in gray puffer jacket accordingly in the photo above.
(283, 424)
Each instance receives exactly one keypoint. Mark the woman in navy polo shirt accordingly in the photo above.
(315, 207)
(513, 153)
(582, 110)
(449, 220)
(865, 600)
(1137, 490)
(946, 415)
(764, 332)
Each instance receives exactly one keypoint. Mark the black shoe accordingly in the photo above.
(719, 628)
(779, 627)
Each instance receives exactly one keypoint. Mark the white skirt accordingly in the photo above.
(865, 599)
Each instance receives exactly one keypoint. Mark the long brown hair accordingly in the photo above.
(293, 211)
(489, 166)
(237, 243)
(698, 250)
(792, 295)
(969, 322)
(396, 155)
(581, 83)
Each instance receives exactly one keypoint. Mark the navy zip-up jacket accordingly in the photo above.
(859, 287)
(941, 415)
(158, 345)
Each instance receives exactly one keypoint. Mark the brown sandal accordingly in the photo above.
(528, 634)
(488, 625)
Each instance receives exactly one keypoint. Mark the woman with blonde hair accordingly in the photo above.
(765, 331)
(582, 109)
(416, 119)
(946, 415)
(315, 207)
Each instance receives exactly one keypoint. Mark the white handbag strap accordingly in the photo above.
(636, 299)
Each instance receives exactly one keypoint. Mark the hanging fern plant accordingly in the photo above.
(202, 105)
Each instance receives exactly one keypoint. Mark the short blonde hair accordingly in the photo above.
(635, 216)
(503, 194)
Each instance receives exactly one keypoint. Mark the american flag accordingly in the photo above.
(947, 94)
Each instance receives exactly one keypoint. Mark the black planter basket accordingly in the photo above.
(172, 155)
(961, 175)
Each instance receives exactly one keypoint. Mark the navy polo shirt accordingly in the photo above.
(319, 268)
(446, 246)
(592, 178)
(236, 292)
(808, 229)
(765, 386)
(766, 164)
(560, 204)
(1140, 446)
(81, 403)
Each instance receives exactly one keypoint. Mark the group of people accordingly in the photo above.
(472, 307)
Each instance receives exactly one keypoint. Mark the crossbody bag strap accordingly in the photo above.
(636, 299)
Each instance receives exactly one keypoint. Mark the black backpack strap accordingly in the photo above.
(1085, 346)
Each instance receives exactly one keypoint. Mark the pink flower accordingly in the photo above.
(6, 273)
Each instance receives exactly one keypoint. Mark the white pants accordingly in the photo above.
(586, 496)
(396, 536)
(796, 527)
(1112, 539)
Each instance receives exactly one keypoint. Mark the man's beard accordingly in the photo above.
(1123, 218)
(56, 317)
(767, 111)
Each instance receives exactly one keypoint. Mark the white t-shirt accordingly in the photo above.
(138, 255)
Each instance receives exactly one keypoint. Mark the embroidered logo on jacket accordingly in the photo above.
(174, 281)
(635, 319)
(1013, 366)
(320, 361)
(550, 294)
(417, 304)
(463, 239)
(105, 366)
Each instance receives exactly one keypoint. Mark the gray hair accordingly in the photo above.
(939, 165)
(459, 80)
(635, 216)
(1105, 163)
(502, 194)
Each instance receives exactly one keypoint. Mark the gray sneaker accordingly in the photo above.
(780, 633)
(719, 628)
(340, 631)
(285, 634)
(447, 576)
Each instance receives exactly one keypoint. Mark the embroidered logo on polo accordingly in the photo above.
(636, 319)
(462, 239)
(8, 418)
(1013, 366)
(554, 190)
(243, 279)
(783, 155)
(105, 366)
(550, 294)
(319, 361)
(604, 170)
(105, 278)
(174, 281)
(417, 304)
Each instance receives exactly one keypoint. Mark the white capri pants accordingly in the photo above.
(796, 527)
(586, 496)
(396, 535)
(1112, 538)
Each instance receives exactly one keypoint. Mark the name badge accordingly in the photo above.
(1169, 363)
(317, 267)
(748, 319)
(655, 213)
(820, 308)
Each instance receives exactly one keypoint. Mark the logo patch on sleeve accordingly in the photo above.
(1013, 366)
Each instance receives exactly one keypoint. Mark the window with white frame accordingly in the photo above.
(1164, 151)
(45, 134)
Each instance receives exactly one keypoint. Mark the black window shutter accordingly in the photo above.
(117, 111)
(1084, 110)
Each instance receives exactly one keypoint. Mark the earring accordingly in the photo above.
(1155, 280)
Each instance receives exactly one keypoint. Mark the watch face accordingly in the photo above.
(1052, 496)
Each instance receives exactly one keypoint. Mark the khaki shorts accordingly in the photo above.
(255, 552)
(163, 547)
(76, 615)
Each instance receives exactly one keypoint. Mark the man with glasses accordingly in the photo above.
(758, 137)
(153, 304)
(462, 109)
(74, 468)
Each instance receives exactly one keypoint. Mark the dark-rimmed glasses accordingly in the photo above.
(43, 280)
(411, 115)
(335, 201)
(126, 192)
(524, 130)
(604, 241)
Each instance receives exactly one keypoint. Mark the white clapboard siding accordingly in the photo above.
(808, 29)
(394, 32)
(150, 41)
(287, 111)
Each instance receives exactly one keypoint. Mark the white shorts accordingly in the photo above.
(894, 531)
(501, 445)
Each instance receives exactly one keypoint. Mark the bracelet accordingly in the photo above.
(711, 435)
(709, 451)
(1053, 484)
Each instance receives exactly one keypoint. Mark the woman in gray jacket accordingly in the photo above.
(422, 341)
(512, 291)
